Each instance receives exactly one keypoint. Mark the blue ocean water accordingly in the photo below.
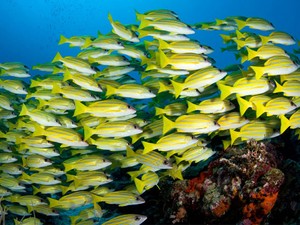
(30, 29)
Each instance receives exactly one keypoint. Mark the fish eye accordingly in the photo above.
(135, 126)
(165, 162)
(137, 218)
(128, 106)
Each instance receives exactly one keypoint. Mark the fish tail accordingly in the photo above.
(251, 53)
(56, 70)
(130, 152)
(62, 40)
(56, 89)
(167, 125)
(259, 71)
(88, 132)
(38, 130)
(240, 44)
(240, 23)
(25, 176)
(134, 174)
(24, 111)
(244, 104)
(163, 59)
(148, 147)
(138, 15)
(34, 83)
(64, 189)
(57, 57)
(234, 135)
(67, 75)
(278, 88)
(162, 87)
(70, 177)
(24, 161)
(144, 23)
(135, 138)
(219, 22)
(226, 38)
(225, 90)
(35, 190)
(110, 90)
(68, 167)
(178, 159)
(264, 39)
(162, 44)
(140, 185)
(52, 202)
(159, 111)
(285, 123)
(42, 103)
(87, 43)
(79, 108)
(244, 58)
(110, 18)
(74, 219)
(260, 109)
(178, 87)
(226, 144)
(191, 107)
(239, 34)
(97, 198)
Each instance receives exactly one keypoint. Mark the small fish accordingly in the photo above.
(18, 210)
(84, 82)
(111, 144)
(134, 91)
(187, 61)
(169, 25)
(105, 108)
(195, 154)
(74, 93)
(86, 162)
(254, 23)
(77, 64)
(231, 120)
(274, 66)
(170, 142)
(36, 161)
(28, 221)
(40, 178)
(113, 129)
(278, 37)
(121, 198)
(11, 183)
(289, 88)
(41, 117)
(65, 136)
(47, 189)
(277, 106)
(122, 31)
(246, 86)
(132, 219)
(174, 109)
(266, 52)
(213, 105)
(72, 201)
(147, 181)
(256, 130)
(293, 122)
(14, 86)
(44, 210)
(196, 123)
(152, 159)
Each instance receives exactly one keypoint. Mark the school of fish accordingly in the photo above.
(144, 98)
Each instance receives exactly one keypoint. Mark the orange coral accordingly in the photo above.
(264, 203)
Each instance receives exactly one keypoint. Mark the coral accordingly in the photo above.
(243, 181)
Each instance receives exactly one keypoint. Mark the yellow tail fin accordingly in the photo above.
(244, 104)
(278, 88)
(110, 90)
(148, 147)
(62, 40)
(159, 111)
(79, 108)
(285, 123)
(225, 90)
(167, 125)
(234, 135)
(251, 53)
(240, 23)
(57, 57)
(163, 59)
(259, 71)
(24, 111)
(140, 185)
(192, 107)
(178, 88)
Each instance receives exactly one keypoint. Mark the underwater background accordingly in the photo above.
(30, 32)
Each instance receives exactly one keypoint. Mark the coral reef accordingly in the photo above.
(243, 183)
